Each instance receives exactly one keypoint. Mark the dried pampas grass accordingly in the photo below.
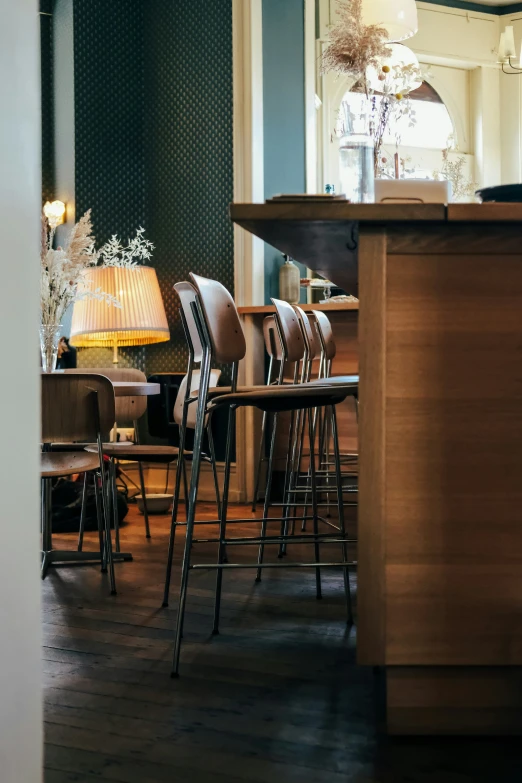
(354, 46)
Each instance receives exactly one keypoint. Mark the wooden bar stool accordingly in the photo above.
(221, 337)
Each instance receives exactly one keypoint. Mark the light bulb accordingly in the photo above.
(54, 212)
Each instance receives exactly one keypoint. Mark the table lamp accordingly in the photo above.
(141, 319)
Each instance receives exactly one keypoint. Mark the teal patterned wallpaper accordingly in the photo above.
(188, 151)
(153, 141)
(109, 109)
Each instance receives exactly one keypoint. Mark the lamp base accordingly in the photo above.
(115, 359)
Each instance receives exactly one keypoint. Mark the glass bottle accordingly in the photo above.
(289, 282)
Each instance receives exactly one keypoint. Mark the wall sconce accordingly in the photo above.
(55, 213)
(507, 51)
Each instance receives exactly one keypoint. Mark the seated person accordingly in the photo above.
(66, 355)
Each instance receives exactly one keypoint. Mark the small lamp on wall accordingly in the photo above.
(507, 52)
(54, 211)
(141, 319)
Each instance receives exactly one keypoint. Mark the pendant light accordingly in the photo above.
(399, 17)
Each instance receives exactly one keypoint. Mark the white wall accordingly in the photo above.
(20, 201)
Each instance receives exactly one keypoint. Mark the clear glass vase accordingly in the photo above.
(356, 153)
(356, 162)
(49, 339)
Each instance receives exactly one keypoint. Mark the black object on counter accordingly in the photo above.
(504, 193)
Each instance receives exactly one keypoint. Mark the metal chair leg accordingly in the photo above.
(194, 483)
(99, 518)
(144, 500)
(180, 468)
(142, 484)
(290, 456)
(115, 515)
(340, 511)
(212, 454)
(260, 460)
(311, 436)
(268, 493)
(46, 525)
(223, 517)
(108, 536)
(82, 513)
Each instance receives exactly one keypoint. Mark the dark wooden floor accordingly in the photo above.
(275, 697)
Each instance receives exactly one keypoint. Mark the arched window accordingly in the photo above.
(420, 136)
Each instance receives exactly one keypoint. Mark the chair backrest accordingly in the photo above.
(271, 337)
(324, 329)
(188, 295)
(222, 320)
(309, 332)
(192, 408)
(291, 334)
(128, 409)
(68, 407)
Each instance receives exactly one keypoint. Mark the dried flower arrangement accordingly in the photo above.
(137, 250)
(462, 189)
(394, 102)
(62, 270)
(354, 46)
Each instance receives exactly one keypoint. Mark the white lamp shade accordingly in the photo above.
(509, 42)
(401, 56)
(502, 49)
(399, 17)
(141, 320)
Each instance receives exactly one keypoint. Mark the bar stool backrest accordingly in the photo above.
(222, 320)
(180, 398)
(188, 296)
(69, 407)
(309, 333)
(324, 329)
(271, 337)
(128, 409)
(291, 334)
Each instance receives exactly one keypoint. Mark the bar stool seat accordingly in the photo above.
(284, 398)
(66, 463)
(148, 453)
(335, 380)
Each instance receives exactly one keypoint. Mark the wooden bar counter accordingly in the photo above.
(440, 439)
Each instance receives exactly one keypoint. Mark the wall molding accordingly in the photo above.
(249, 253)
(495, 10)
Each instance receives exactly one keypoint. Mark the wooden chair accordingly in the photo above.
(76, 408)
(129, 411)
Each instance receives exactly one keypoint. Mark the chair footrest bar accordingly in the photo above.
(209, 567)
(325, 539)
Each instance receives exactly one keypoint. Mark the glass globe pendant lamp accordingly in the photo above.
(399, 17)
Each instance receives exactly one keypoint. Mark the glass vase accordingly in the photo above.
(356, 160)
(49, 339)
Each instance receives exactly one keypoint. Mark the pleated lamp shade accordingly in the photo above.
(141, 320)
(399, 17)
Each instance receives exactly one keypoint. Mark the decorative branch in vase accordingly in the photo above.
(462, 189)
(354, 46)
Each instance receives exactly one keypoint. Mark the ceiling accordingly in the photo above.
(489, 2)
